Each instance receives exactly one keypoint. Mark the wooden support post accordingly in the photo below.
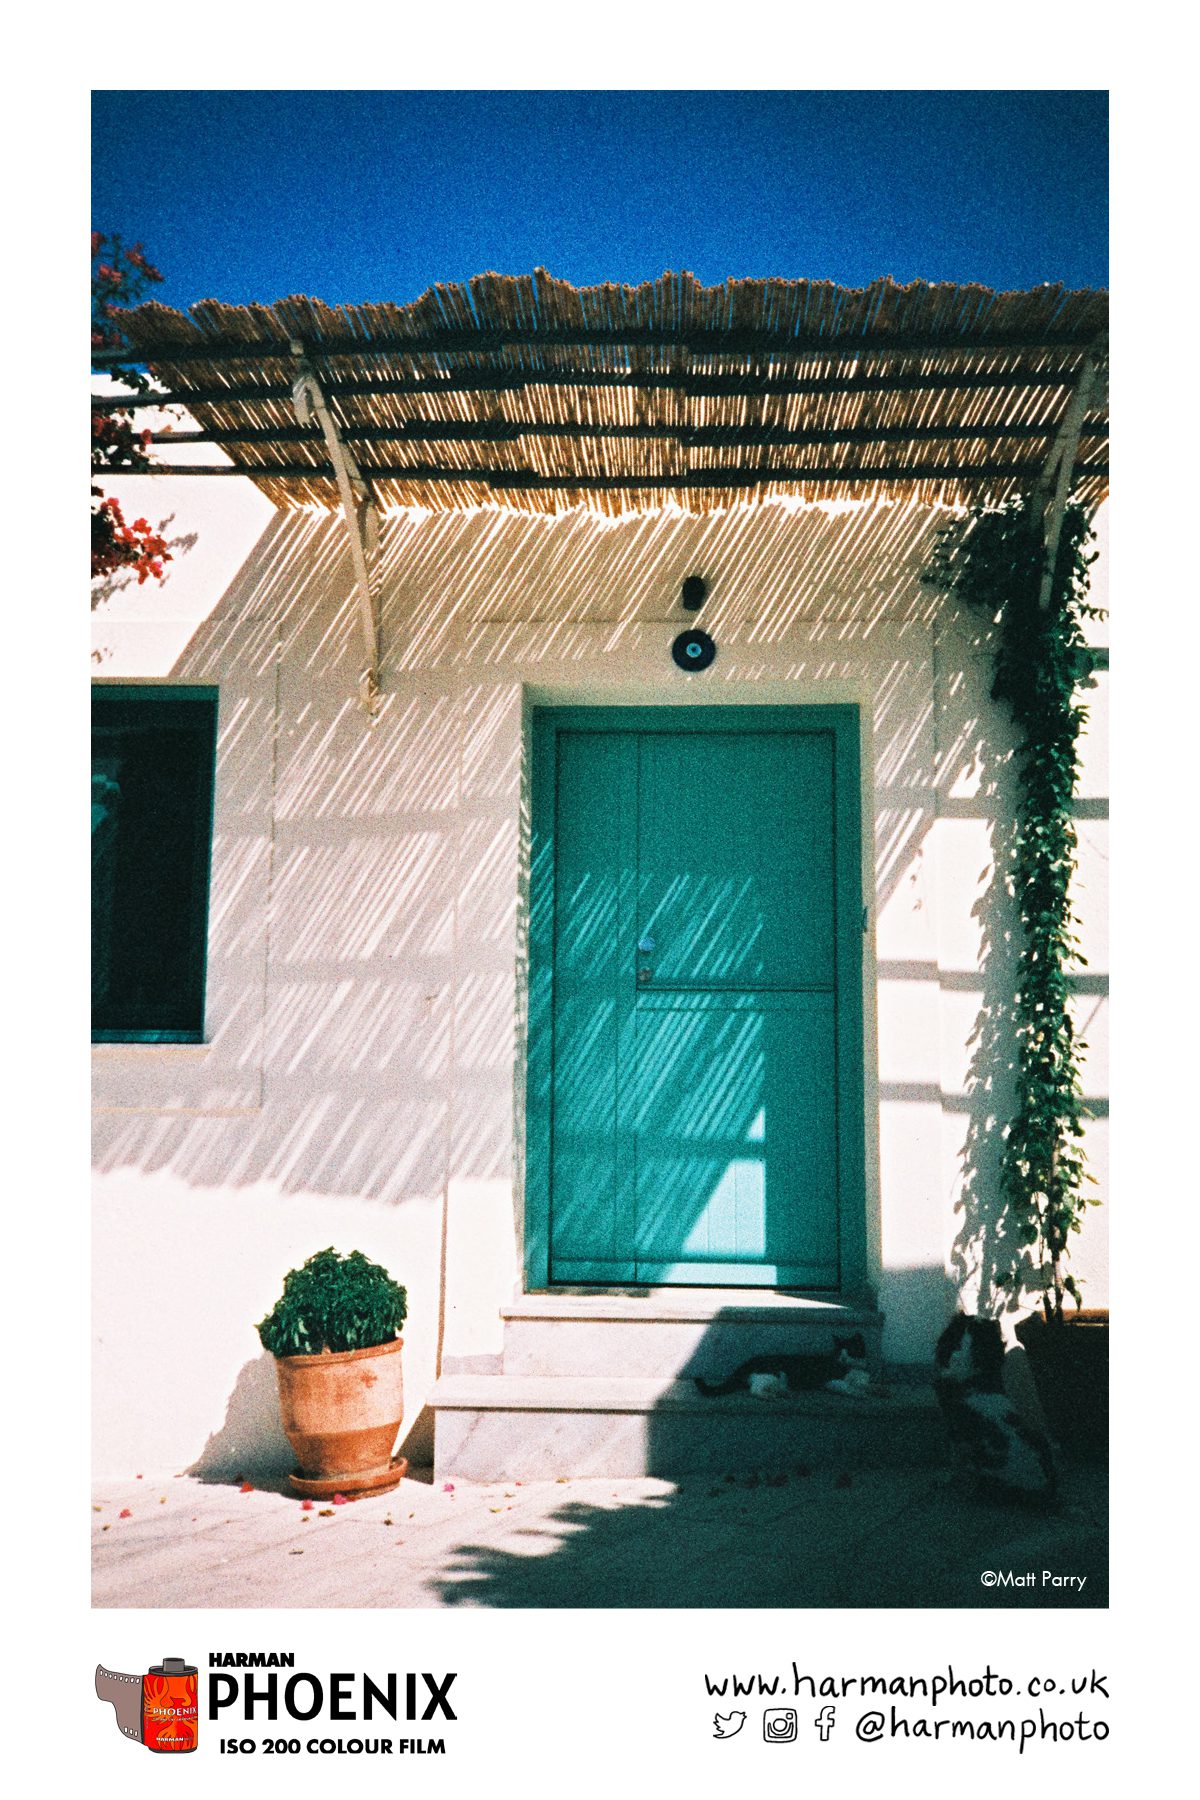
(362, 520)
(1061, 458)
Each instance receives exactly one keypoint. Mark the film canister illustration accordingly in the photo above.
(157, 1709)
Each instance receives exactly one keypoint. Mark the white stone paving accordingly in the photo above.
(825, 1537)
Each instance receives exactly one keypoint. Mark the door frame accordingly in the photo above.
(843, 722)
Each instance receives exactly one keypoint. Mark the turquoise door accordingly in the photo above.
(695, 1060)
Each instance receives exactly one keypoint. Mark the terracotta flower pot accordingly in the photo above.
(1069, 1360)
(341, 1411)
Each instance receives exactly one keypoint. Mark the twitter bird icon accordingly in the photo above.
(728, 1724)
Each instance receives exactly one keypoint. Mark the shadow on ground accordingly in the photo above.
(874, 1538)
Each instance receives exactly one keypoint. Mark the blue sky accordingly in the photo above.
(244, 196)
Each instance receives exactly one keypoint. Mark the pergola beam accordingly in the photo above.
(699, 342)
(507, 431)
(362, 519)
(1061, 459)
(744, 385)
(737, 475)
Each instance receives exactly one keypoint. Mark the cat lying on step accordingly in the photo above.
(769, 1377)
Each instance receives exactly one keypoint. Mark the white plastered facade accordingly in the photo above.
(361, 1082)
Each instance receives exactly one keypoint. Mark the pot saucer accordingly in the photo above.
(372, 1481)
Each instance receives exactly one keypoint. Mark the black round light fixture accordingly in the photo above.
(695, 593)
(693, 650)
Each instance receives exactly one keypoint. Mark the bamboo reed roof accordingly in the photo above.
(527, 392)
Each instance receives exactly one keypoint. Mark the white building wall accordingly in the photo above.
(361, 1084)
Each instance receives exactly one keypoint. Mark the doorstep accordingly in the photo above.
(699, 1305)
(672, 1333)
(522, 1427)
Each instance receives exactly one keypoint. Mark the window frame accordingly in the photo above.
(161, 697)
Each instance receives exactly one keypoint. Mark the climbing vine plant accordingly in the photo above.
(995, 562)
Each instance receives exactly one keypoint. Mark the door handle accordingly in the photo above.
(645, 977)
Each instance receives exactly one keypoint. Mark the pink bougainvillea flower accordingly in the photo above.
(124, 1513)
(447, 1487)
(340, 1500)
(306, 1506)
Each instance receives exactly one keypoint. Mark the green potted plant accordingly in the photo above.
(334, 1334)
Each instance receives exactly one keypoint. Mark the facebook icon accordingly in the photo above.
(824, 1722)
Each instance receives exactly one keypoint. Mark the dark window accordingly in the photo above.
(152, 786)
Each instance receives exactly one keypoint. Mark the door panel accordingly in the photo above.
(596, 800)
(734, 1147)
(735, 857)
(692, 971)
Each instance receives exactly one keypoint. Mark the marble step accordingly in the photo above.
(673, 1334)
(528, 1428)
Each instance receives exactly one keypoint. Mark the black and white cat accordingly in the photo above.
(1008, 1455)
(769, 1376)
